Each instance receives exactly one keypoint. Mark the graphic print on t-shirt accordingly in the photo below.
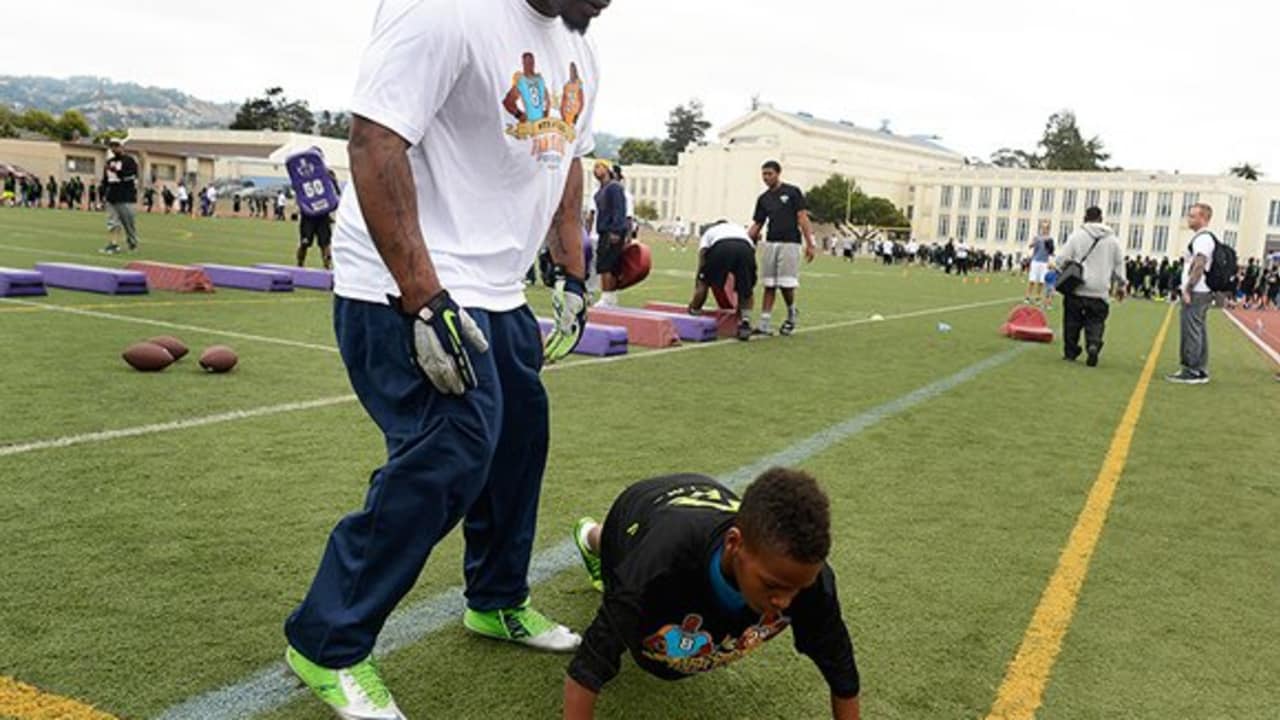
(687, 650)
(531, 103)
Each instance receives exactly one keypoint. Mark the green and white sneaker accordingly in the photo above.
(354, 693)
(522, 625)
(589, 557)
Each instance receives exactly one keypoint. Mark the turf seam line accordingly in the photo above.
(1022, 690)
(27, 702)
(271, 687)
(1253, 337)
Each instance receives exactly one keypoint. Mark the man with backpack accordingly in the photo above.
(1096, 250)
(1208, 268)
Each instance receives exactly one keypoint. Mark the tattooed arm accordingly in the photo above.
(565, 238)
(389, 203)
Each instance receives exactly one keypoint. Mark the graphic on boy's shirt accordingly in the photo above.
(531, 103)
(687, 650)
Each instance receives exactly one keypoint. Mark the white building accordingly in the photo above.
(992, 208)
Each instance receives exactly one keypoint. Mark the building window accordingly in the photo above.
(1235, 207)
(966, 197)
(1189, 199)
(1135, 238)
(1002, 230)
(1064, 232)
(911, 212)
(1092, 198)
(164, 172)
(1046, 200)
(82, 165)
(1230, 237)
(1160, 239)
(984, 199)
(962, 227)
(666, 187)
(1273, 218)
(1115, 203)
(980, 231)
(944, 227)
(1139, 207)
(1069, 201)
(1026, 198)
(1024, 231)
(945, 200)
(1006, 198)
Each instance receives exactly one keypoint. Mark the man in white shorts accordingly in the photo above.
(782, 207)
(1041, 255)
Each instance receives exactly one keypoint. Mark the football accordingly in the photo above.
(175, 346)
(147, 357)
(218, 359)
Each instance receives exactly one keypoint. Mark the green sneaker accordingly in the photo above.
(522, 625)
(354, 693)
(589, 557)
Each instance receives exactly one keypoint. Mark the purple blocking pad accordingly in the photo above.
(313, 188)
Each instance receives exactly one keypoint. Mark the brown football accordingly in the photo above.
(147, 357)
(175, 346)
(218, 359)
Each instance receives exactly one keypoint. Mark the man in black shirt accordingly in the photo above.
(120, 190)
(695, 579)
(783, 208)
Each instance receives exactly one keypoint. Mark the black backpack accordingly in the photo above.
(1226, 265)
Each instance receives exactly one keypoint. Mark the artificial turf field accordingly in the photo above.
(140, 571)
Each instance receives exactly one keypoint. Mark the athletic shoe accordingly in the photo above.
(761, 332)
(590, 558)
(786, 328)
(522, 625)
(744, 331)
(1188, 377)
(354, 693)
(110, 249)
(1092, 359)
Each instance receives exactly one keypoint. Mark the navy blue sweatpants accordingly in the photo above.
(478, 458)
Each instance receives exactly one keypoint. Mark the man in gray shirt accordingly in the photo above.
(1095, 247)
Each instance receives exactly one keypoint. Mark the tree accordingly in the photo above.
(1247, 171)
(1063, 147)
(685, 126)
(39, 121)
(839, 198)
(335, 124)
(646, 210)
(72, 126)
(1010, 158)
(102, 136)
(635, 151)
(274, 111)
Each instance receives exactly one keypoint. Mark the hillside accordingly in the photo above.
(109, 104)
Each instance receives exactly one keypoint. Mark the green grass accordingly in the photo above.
(139, 572)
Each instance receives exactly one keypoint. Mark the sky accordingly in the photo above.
(1168, 85)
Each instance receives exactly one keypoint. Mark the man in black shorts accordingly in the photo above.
(783, 208)
(316, 229)
(612, 227)
(726, 250)
(695, 579)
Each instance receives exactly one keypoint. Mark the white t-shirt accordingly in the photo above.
(281, 200)
(1201, 244)
(962, 252)
(182, 193)
(212, 195)
(446, 75)
(723, 231)
(631, 204)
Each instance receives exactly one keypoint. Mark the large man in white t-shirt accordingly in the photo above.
(451, 198)
(1196, 299)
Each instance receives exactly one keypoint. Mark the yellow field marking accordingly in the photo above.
(1024, 682)
(26, 702)
(168, 303)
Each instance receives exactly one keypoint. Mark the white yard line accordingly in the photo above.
(262, 411)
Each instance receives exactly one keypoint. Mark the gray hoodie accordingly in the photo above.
(1104, 265)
